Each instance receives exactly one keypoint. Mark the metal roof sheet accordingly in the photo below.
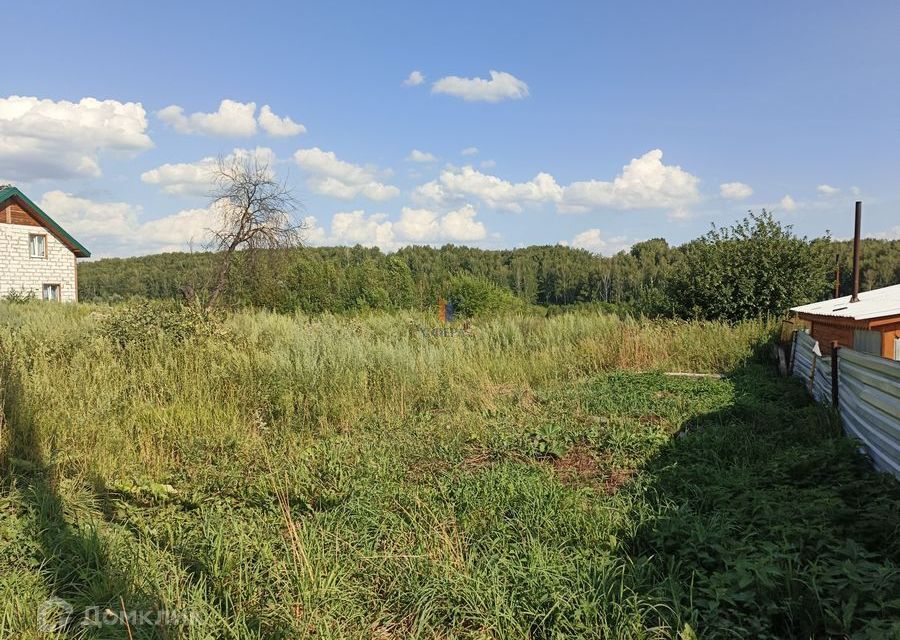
(877, 303)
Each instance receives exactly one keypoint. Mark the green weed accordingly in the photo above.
(285, 477)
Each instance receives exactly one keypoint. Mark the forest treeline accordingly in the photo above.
(755, 266)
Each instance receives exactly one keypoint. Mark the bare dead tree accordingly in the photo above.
(255, 212)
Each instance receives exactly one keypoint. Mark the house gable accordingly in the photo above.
(16, 208)
(14, 214)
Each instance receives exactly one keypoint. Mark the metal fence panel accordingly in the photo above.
(873, 370)
(869, 404)
(821, 389)
(867, 341)
(803, 356)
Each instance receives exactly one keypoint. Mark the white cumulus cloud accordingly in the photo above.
(232, 119)
(355, 227)
(593, 240)
(735, 190)
(116, 228)
(414, 79)
(89, 220)
(470, 151)
(278, 127)
(421, 156)
(63, 139)
(455, 184)
(312, 233)
(461, 226)
(645, 182)
(180, 231)
(788, 204)
(425, 225)
(827, 190)
(414, 226)
(418, 225)
(328, 175)
(501, 86)
(196, 178)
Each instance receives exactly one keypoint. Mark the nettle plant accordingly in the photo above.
(144, 322)
(19, 296)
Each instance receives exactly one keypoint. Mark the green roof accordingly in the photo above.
(77, 248)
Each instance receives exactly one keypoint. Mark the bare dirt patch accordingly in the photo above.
(616, 480)
(580, 466)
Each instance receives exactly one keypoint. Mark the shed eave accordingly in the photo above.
(845, 321)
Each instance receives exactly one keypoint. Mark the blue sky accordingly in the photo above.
(605, 123)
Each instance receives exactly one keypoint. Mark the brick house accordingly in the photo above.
(36, 255)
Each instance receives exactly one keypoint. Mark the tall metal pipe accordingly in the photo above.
(856, 234)
(837, 276)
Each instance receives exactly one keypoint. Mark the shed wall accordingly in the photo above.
(889, 336)
(827, 333)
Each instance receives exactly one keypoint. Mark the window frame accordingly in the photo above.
(58, 288)
(31, 236)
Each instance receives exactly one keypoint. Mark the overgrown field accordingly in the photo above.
(267, 476)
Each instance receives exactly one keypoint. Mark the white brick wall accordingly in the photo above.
(18, 270)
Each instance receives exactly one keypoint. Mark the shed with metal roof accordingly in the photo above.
(870, 324)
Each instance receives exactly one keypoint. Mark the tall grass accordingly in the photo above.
(336, 477)
(148, 404)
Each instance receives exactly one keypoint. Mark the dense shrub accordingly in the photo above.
(475, 296)
(142, 322)
(20, 296)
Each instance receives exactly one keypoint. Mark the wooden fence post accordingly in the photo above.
(793, 351)
(812, 376)
(835, 347)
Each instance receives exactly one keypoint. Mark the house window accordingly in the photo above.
(50, 292)
(37, 244)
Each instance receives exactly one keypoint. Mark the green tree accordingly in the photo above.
(752, 268)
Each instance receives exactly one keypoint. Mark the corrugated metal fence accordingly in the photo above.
(868, 395)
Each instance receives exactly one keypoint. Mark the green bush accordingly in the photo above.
(475, 296)
(20, 296)
(147, 321)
